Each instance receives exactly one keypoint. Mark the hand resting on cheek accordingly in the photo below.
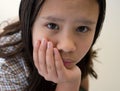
(49, 64)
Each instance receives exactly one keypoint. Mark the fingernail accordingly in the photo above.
(49, 45)
(55, 51)
(43, 41)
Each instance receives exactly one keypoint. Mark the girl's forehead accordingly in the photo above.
(72, 8)
(70, 4)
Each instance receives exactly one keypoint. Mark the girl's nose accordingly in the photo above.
(66, 45)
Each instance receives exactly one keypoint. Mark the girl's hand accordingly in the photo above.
(50, 65)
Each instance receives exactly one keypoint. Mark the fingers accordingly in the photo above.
(59, 63)
(35, 54)
(50, 63)
(42, 58)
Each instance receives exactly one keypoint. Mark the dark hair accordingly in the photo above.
(27, 15)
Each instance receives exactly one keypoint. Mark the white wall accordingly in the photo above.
(8, 9)
(109, 43)
(109, 55)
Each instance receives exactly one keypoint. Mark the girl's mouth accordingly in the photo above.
(68, 63)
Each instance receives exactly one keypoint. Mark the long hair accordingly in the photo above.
(27, 14)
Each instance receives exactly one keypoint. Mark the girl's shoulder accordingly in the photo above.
(14, 73)
(10, 38)
(10, 42)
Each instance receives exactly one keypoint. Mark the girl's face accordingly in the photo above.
(69, 24)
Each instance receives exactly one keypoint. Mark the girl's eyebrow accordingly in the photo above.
(82, 20)
(86, 21)
(51, 18)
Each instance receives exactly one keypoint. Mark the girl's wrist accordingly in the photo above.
(70, 86)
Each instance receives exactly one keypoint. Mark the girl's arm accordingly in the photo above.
(68, 86)
(84, 86)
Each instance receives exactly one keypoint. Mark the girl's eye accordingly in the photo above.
(82, 29)
(52, 26)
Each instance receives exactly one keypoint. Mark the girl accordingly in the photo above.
(50, 47)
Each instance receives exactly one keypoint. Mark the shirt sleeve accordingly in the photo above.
(12, 77)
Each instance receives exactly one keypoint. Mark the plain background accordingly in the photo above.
(108, 64)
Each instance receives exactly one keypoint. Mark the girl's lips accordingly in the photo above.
(68, 63)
